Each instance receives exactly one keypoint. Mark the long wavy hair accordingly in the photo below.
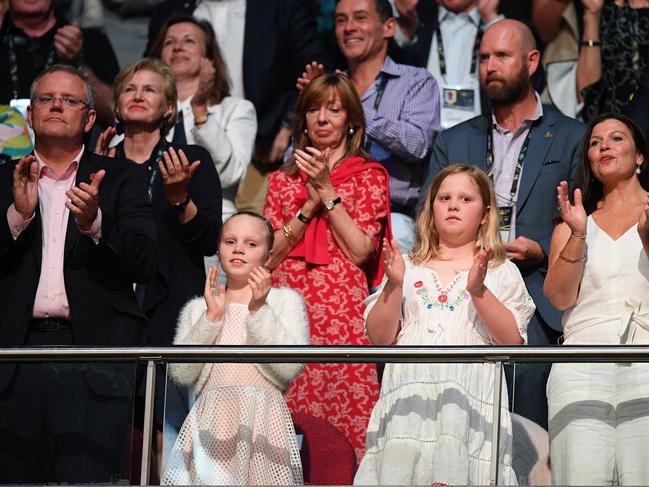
(317, 93)
(592, 190)
(427, 246)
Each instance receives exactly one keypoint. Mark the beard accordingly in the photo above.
(507, 91)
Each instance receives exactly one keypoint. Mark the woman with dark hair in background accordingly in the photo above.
(599, 274)
(224, 125)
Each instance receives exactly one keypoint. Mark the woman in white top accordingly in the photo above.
(224, 125)
(599, 274)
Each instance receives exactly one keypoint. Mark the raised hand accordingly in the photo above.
(259, 282)
(574, 215)
(393, 264)
(488, 9)
(84, 201)
(68, 42)
(103, 141)
(475, 280)
(176, 173)
(316, 165)
(215, 302)
(205, 83)
(25, 186)
(311, 71)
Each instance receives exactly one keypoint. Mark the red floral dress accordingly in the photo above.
(344, 394)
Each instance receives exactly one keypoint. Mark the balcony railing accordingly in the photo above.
(326, 354)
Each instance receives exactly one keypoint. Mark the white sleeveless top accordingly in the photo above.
(613, 302)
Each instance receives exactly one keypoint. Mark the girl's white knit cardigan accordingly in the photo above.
(281, 321)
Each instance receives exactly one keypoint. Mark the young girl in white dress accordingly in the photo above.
(239, 431)
(433, 422)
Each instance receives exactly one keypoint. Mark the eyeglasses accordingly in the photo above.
(67, 101)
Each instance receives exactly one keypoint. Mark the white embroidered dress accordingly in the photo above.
(433, 422)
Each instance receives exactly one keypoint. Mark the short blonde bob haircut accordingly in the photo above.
(318, 92)
(427, 246)
(168, 88)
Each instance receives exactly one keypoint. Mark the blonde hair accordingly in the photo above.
(427, 246)
(317, 93)
(168, 87)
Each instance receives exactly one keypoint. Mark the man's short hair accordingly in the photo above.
(66, 68)
(383, 8)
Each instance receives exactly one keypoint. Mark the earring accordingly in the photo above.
(351, 130)
(305, 131)
(638, 170)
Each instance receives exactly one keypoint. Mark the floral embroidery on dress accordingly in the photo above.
(438, 297)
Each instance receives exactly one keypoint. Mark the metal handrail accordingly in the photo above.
(332, 354)
(329, 354)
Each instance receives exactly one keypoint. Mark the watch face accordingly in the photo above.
(329, 205)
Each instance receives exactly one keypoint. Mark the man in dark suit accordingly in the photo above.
(279, 38)
(77, 231)
(527, 149)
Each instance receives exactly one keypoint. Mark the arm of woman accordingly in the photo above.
(229, 139)
(566, 261)
(589, 65)
(289, 232)
(383, 313)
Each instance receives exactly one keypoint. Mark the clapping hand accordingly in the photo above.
(475, 280)
(259, 282)
(68, 42)
(574, 215)
(393, 264)
(176, 173)
(25, 186)
(103, 142)
(205, 83)
(83, 200)
(215, 302)
(315, 164)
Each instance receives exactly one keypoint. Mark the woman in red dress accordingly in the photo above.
(329, 206)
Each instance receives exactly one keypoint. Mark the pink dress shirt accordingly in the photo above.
(51, 299)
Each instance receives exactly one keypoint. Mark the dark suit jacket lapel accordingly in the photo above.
(540, 140)
(477, 142)
(83, 176)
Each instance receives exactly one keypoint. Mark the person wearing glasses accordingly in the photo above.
(78, 230)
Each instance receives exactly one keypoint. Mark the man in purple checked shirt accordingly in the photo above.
(401, 105)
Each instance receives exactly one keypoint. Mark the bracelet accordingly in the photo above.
(180, 207)
(578, 237)
(590, 43)
(200, 121)
(288, 232)
(302, 217)
(571, 261)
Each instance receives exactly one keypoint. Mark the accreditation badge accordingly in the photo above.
(505, 214)
(459, 103)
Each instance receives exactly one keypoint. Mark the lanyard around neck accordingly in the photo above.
(442, 56)
(519, 161)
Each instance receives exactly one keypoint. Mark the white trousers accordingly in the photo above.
(599, 424)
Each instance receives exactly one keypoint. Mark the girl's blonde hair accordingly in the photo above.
(427, 246)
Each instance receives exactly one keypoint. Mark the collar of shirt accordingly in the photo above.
(389, 69)
(473, 15)
(46, 171)
(538, 113)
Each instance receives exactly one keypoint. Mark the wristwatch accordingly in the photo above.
(329, 205)
(180, 207)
